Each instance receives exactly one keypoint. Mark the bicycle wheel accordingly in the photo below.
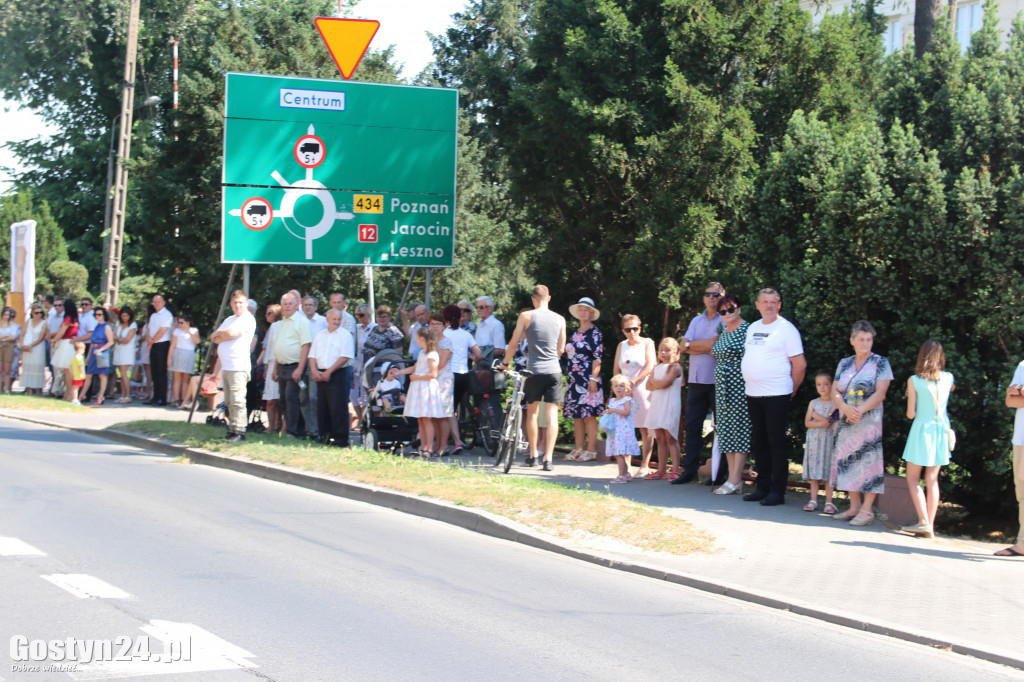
(487, 432)
(511, 442)
(467, 424)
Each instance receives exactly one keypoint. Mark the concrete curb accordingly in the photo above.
(483, 522)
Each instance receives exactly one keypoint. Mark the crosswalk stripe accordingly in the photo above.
(15, 547)
(85, 586)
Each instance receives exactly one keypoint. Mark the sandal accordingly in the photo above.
(844, 516)
(98, 401)
(620, 479)
(656, 476)
(830, 508)
(642, 472)
(811, 506)
(573, 456)
(674, 475)
(863, 518)
(587, 456)
(728, 488)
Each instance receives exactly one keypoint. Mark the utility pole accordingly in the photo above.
(114, 239)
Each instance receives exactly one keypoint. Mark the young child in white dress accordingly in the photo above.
(820, 447)
(666, 387)
(621, 443)
(424, 400)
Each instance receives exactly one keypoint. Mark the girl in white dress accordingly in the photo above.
(424, 400)
(666, 386)
(124, 351)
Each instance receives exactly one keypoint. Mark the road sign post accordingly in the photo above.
(321, 172)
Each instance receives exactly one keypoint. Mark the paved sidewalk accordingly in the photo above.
(947, 589)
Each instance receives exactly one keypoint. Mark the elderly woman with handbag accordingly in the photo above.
(861, 383)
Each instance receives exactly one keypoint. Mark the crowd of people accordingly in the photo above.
(744, 373)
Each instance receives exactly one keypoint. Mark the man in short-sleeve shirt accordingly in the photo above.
(291, 350)
(490, 332)
(773, 368)
(234, 339)
(700, 386)
(1015, 399)
(330, 365)
(158, 336)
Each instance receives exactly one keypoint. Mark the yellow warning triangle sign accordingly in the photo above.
(347, 40)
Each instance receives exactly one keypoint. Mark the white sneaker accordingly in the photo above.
(75, 402)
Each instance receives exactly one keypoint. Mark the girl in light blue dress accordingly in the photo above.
(424, 400)
(928, 443)
(621, 443)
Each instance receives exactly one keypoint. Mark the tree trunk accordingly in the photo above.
(925, 14)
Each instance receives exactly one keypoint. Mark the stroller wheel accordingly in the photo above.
(371, 441)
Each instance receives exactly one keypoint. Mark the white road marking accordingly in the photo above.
(15, 547)
(85, 586)
(187, 648)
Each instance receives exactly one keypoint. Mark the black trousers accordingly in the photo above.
(158, 364)
(332, 406)
(768, 442)
(290, 399)
(699, 399)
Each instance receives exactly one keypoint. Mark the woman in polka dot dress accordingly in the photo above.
(732, 421)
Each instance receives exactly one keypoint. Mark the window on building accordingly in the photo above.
(892, 39)
(968, 20)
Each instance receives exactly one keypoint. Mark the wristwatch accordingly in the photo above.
(687, 346)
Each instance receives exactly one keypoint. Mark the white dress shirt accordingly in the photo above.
(329, 346)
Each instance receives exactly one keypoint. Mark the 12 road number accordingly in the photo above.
(368, 233)
(368, 203)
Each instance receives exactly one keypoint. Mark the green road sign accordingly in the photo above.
(322, 172)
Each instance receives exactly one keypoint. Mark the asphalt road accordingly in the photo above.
(266, 581)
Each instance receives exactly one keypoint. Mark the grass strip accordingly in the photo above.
(19, 401)
(585, 516)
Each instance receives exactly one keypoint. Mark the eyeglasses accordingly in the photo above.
(630, 329)
(728, 311)
(483, 307)
(98, 315)
(712, 294)
(360, 314)
(37, 312)
(86, 305)
(466, 311)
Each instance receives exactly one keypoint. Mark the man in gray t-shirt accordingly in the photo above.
(545, 334)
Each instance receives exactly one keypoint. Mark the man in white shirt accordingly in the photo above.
(317, 322)
(490, 332)
(330, 364)
(158, 336)
(234, 339)
(420, 317)
(773, 368)
(1015, 400)
(339, 301)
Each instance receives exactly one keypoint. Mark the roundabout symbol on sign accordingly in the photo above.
(257, 213)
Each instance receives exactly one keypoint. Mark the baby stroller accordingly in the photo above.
(382, 429)
(254, 399)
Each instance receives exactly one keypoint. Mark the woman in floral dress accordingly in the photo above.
(584, 399)
(860, 385)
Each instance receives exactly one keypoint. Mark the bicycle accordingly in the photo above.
(510, 438)
(477, 413)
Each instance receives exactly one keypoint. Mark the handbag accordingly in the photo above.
(103, 359)
(950, 433)
(607, 422)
